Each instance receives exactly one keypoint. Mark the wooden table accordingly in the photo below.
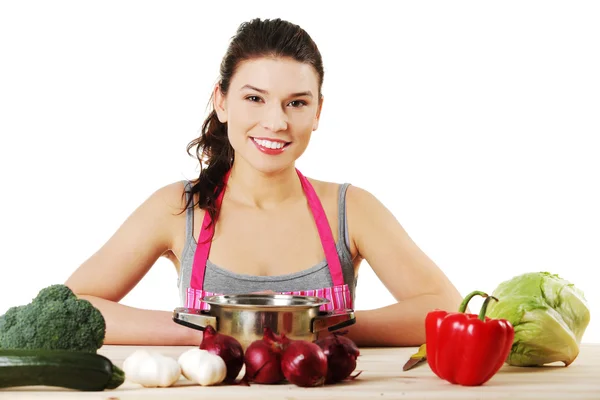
(382, 377)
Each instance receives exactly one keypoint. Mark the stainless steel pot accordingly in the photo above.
(244, 316)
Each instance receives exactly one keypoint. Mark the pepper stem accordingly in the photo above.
(484, 307)
(463, 305)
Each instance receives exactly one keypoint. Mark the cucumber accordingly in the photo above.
(58, 368)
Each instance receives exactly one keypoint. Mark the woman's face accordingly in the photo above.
(271, 109)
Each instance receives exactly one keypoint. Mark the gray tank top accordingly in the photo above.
(220, 280)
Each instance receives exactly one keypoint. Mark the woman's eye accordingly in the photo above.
(253, 99)
(297, 103)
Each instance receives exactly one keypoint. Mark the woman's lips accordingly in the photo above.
(271, 147)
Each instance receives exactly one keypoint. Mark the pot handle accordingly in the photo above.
(194, 318)
(333, 320)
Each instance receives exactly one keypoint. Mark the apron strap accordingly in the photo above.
(204, 242)
(331, 254)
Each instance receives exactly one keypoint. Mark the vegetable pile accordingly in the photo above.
(276, 358)
(535, 318)
(53, 341)
(271, 360)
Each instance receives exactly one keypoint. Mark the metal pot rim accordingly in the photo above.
(262, 301)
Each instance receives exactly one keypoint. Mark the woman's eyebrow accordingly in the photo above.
(298, 94)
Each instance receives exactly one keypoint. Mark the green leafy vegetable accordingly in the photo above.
(55, 320)
(549, 315)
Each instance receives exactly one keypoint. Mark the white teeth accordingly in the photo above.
(269, 144)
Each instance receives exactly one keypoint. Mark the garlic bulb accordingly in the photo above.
(151, 369)
(202, 367)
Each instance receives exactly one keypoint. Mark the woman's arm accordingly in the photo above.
(134, 326)
(117, 267)
(407, 272)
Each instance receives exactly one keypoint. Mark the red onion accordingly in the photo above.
(226, 347)
(263, 359)
(304, 364)
(341, 354)
(279, 342)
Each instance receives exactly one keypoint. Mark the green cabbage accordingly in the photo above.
(549, 315)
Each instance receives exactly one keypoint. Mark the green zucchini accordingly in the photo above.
(58, 368)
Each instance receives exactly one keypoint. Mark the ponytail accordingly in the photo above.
(212, 148)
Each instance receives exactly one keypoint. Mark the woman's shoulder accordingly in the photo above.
(172, 195)
(354, 194)
(323, 187)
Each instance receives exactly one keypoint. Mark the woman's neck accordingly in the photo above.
(255, 189)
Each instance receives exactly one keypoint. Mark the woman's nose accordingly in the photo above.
(275, 119)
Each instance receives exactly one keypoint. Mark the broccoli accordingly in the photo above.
(54, 320)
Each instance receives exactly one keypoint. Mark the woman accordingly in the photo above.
(252, 222)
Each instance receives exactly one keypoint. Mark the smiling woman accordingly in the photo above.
(277, 120)
(252, 222)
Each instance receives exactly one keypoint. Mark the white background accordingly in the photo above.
(476, 123)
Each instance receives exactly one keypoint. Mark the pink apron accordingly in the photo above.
(338, 295)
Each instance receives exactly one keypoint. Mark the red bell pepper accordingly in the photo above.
(467, 349)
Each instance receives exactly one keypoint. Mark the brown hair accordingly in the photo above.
(254, 39)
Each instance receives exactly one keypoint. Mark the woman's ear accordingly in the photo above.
(220, 104)
(318, 116)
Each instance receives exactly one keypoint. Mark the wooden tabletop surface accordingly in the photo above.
(382, 377)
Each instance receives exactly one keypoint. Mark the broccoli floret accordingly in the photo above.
(55, 292)
(10, 317)
(55, 320)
